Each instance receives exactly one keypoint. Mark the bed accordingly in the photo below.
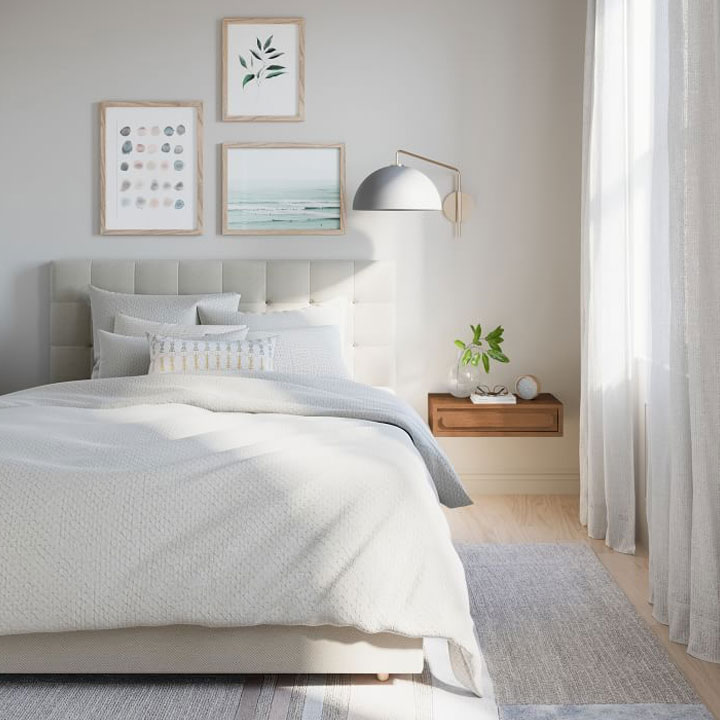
(338, 468)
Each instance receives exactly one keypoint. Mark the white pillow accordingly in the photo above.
(332, 312)
(210, 355)
(313, 351)
(137, 327)
(105, 305)
(126, 355)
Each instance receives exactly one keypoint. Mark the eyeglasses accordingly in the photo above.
(497, 391)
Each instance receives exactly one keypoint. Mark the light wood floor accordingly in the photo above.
(549, 518)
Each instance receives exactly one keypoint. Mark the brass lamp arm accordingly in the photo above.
(426, 159)
(458, 182)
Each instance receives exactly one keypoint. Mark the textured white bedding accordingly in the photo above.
(227, 501)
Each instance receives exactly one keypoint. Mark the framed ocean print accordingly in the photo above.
(263, 62)
(283, 189)
(151, 168)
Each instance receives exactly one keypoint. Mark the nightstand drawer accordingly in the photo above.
(458, 417)
(498, 419)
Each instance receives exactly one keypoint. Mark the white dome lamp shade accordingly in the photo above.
(398, 187)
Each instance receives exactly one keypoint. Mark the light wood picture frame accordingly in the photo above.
(283, 189)
(263, 69)
(151, 167)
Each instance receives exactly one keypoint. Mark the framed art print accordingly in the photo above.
(151, 168)
(263, 69)
(283, 189)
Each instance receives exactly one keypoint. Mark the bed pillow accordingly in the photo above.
(121, 356)
(312, 351)
(210, 356)
(105, 305)
(138, 327)
(128, 355)
(332, 312)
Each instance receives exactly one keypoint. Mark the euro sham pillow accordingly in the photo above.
(128, 355)
(105, 305)
(310, 351)
(210, 355)
(138, 327)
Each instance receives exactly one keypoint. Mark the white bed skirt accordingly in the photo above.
(187, 649)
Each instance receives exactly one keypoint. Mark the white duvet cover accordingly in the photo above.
(227, 501)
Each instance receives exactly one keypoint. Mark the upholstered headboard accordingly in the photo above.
(264, 285)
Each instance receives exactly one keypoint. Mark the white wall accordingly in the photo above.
(495, 87)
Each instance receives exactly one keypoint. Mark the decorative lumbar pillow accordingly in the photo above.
(313, 351)
(138, 327)
(105, 305)
(210, 356)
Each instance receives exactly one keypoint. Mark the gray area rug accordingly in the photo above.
(252, 697)
(561, 640)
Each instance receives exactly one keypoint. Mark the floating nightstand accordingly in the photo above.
(450, 416)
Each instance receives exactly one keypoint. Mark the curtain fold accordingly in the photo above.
(684, 406)
(651, 298)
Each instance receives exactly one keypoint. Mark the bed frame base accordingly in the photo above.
(186, 649)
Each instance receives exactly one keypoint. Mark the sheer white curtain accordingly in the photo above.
(651, 298)
(617, 198)
(684, 397)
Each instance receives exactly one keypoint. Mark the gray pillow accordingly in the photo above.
(120, 355)
(105, 304)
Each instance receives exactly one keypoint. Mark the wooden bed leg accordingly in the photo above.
(383, 677)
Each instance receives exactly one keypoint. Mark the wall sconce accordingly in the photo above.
(398, 187)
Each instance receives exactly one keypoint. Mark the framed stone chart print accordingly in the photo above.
(263, 61)
(151, 168)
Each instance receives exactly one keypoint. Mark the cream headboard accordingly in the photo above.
(264, 285)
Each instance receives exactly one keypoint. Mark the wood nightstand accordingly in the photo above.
(449, 416)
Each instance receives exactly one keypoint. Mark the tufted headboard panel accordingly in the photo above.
(368, 285)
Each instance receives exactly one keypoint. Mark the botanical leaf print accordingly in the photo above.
(265, 54)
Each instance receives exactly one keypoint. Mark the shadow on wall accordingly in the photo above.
(30, 329)
(95, 169)
(415, 290)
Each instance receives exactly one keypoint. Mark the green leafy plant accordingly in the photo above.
(475, 352)
(260, 63)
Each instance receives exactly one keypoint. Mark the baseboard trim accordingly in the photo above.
(558, 483)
